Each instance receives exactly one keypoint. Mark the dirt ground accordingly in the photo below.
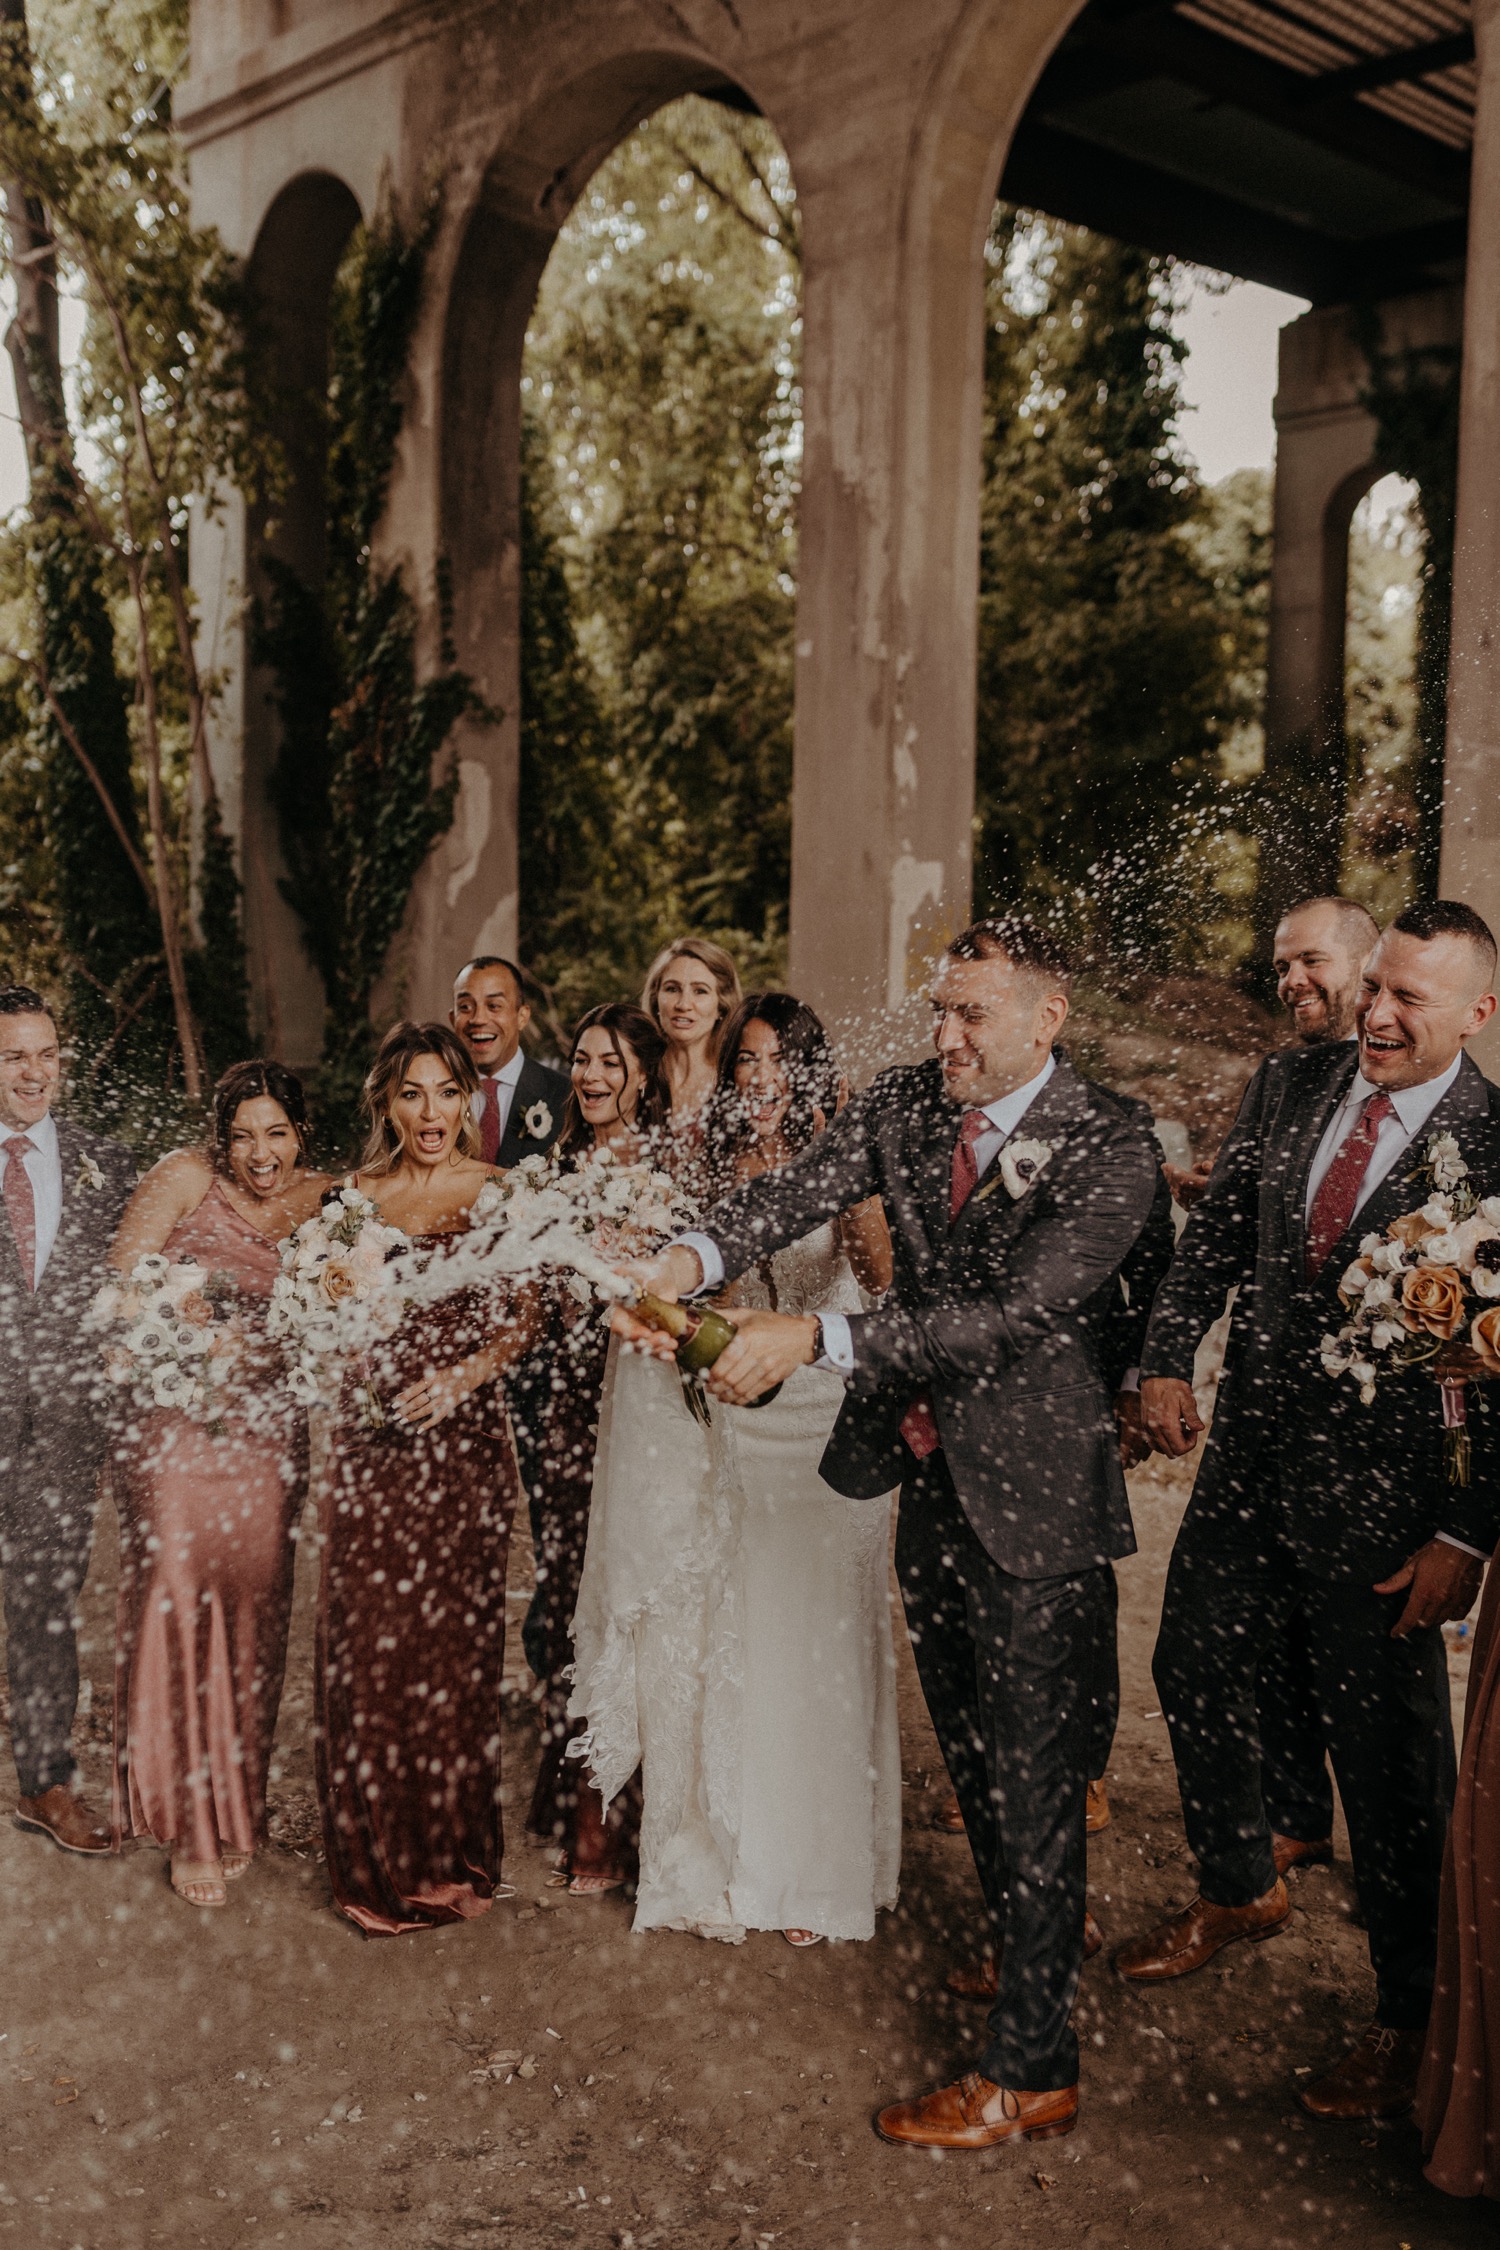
(265, 2075)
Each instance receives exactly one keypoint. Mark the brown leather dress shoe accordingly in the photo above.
(1176, 1949)
(68, 1819)
(1295, 1851)
(980, 1980)
(1379, 2079)
(953, 2117)
(948, 1820)
(1097, 1813)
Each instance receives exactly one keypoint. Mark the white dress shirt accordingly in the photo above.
(44, 1170)
(507, 1079)
(838, 1345)
(1411, 1105)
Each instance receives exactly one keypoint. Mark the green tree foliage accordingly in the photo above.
(99, 626)
(660, 556)
(1113, 654)
(362, 732)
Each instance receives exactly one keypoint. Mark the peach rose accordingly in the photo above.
(337, 1283)
(1484, 1335)
(1412, 1230)
(196, 1310)
(1432, 1299)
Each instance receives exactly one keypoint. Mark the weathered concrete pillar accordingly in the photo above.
(1471, 795)
(1325, 439)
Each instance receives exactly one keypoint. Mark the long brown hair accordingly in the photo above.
(399, 1049)
(633, 1028)
(252, 1082)
(811, 1071)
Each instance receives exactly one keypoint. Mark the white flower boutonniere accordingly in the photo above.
(538, 1121)
(89, 1174)
(1021, 1162)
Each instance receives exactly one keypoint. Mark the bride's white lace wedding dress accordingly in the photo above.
(733, 1638)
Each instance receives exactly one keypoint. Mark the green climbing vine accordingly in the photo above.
(359, 789)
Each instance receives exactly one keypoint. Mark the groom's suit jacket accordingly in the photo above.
(1293, 1453)
(1005, 1320)
(48, 1362)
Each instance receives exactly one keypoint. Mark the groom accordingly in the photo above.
(1014, 1189)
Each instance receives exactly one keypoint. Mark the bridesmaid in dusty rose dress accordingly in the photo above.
(411, 1627)
(1458, 2093)
(207, 1511)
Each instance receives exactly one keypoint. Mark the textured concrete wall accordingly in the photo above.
(895, 119)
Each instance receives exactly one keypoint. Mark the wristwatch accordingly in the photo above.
(819, 1348)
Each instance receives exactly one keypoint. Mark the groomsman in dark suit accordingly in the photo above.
(1308, 1498)
(1318, 952)
(63, 1191)
(519, 1105)
(1014, 1190)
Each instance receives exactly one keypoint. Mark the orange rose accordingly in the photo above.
(1412, 1230)
(1432, 1300)
(336, 1283)
(1484, 1335)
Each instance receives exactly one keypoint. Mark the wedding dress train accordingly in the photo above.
(733, 1636)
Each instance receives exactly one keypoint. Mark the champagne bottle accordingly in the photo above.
(700, 1334)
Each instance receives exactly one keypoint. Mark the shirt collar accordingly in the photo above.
(1006, 1114)
(1412, 1104)
(42, 1135)
(510, 1073)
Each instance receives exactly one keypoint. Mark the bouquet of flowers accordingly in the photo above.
(171, 1334)
(333, 1296)
(1422, 1291)
(608, 1209)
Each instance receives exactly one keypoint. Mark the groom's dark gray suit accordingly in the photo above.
(1004, 1321)
(52, 1437)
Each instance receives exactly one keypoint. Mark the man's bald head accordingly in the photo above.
(1321, 945)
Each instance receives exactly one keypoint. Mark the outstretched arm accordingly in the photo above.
(169, 1192)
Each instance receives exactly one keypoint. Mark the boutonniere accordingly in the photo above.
(89, 1174)
(1020, 1165)
(538, 1121)
(1445, 1172)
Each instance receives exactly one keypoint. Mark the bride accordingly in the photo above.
(732, 1634)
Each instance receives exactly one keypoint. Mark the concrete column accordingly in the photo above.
(1471, 798)
(1325, 442)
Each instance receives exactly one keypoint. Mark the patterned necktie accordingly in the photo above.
(489, 1123)
(965, 1175)
(20, 1204)
(919, 1424)
(1336, 1199)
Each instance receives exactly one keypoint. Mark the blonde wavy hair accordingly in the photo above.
(399, 1049)
(719, 966)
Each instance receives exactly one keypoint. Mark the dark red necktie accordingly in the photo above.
(489, 1123)
(918, 1424)
(20, 1204)
(1336, 1199)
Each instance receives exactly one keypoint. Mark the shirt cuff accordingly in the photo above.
(706, 1251)
(1462, 1545)
(1130, 1380)
(838, 1344)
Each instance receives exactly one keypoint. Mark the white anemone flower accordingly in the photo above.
(171, 1385)
(149, 1338)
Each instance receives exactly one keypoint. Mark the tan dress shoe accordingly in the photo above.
(1096, 1813)
(953, 2116)
(980, 1980)
(948, 1820)
(1379, 2079)
(1295, 1851)
(1176, 1949)
(68, 1819)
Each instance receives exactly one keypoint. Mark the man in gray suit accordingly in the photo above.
(1014, 1190)
(1307, 1498)
(63, 1191)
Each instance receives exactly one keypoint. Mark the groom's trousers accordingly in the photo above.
(1007, 1666)
(48, 1474)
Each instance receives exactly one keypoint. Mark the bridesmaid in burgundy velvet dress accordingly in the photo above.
(617, 1093)
(411, 1627)
(207, 1511)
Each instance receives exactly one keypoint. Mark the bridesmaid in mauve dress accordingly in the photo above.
(207, 1510)
(1458, 2093)
(411, 1626)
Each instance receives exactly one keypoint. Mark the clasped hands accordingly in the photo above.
(768, 1347)
(1440, 1581)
